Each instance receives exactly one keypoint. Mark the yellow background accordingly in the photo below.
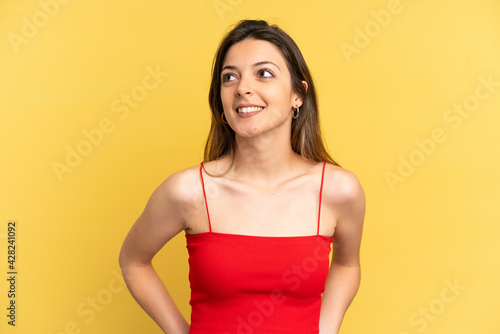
(437, 225)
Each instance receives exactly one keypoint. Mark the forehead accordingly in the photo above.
(251, 51)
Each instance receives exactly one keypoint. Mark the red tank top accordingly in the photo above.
(243, 284)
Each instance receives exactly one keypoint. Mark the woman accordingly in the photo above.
(261, 211)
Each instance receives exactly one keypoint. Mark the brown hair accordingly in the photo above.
(306, 138)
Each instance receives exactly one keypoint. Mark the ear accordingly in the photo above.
(297, 101)
(305, 85)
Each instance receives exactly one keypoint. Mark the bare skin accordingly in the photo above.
(268, 191)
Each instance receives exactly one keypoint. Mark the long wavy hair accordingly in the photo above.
(306, 139)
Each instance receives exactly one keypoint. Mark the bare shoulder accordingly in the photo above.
(180, 186)
(343, 190)
(341, 184)
(163, 217)
(346, 199)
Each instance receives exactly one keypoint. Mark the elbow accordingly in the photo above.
(128, 261)
(123, 259)
(126, 265)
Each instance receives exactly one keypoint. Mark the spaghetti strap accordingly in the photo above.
(320, 194)
(205, 196)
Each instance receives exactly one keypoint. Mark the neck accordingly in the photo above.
(264, 159)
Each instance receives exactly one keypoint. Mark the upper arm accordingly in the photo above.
(161, 220)
(348, 199)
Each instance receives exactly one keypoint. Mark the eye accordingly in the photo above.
(227, 77)
(265, 73)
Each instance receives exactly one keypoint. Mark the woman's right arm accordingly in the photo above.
(161, 220)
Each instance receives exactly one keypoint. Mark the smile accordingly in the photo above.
(246, 110)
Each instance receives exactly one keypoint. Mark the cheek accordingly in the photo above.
(226, 99)
(280, 93)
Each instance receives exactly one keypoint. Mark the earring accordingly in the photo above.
(223, 118)
(296, 113)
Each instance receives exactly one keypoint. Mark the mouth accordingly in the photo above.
(247, 110)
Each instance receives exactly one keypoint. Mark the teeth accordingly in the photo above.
(248, 109)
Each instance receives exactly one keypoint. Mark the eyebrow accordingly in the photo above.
(231, 67)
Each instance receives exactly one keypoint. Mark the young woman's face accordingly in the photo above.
(256, 88)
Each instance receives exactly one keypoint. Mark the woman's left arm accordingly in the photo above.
(348, 201)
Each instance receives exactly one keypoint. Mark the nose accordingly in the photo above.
(244, 87)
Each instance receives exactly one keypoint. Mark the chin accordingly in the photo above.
(247, 133)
